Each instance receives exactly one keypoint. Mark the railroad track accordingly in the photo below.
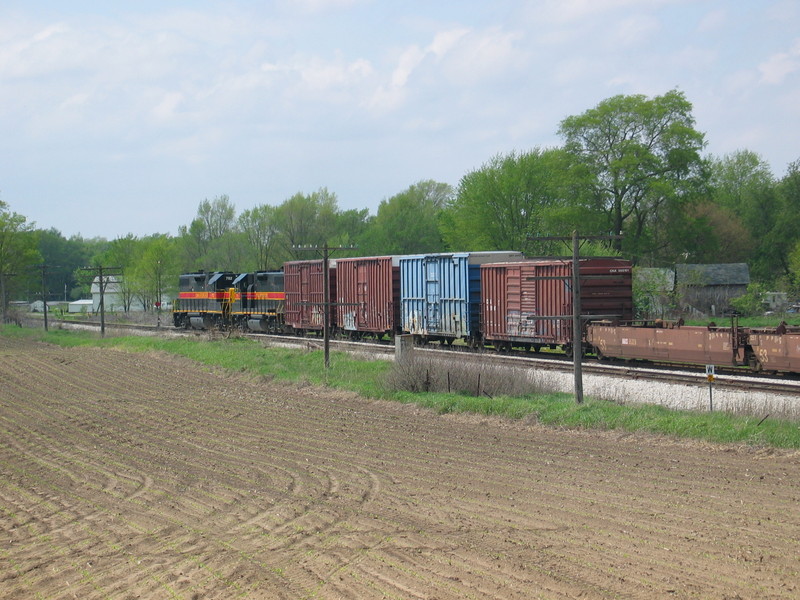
(663, 374)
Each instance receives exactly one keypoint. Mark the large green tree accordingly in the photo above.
(261, 228)
(63, 257)
(408, 222)
(155, 271)
(213, 241)
(511, 199)
(786, 233)
(643, 159)
(743, 189)
(18, 253)
(307, 220)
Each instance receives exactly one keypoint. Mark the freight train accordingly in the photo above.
(481, 299)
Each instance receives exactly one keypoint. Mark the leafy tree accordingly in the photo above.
(752, 303)
(260, 226)
(408, 223)
(643, 160)
(744, 188)
(213, 241)
(63, 258)
(218, 217)
(509, 199)
(18, 252)
(789, 227)
(351, 226)
(305, 220)
(155, 272)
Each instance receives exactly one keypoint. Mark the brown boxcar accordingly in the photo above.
(775, 350)
(368, 295)
(304, 294)
(529, 303)
(721, 346)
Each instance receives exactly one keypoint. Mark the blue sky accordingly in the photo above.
(121, 117)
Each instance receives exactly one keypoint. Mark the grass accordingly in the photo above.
(368, 378)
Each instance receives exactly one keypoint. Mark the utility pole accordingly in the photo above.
(43, 268)
(326, 294)
(577, 318)
(577, 329)
(99, 270)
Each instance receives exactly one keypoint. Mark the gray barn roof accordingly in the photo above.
(722, 274)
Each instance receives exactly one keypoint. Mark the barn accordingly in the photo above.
(710, 288)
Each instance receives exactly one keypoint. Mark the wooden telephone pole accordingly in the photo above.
(577, 318)
(326, 250)
(98, 270)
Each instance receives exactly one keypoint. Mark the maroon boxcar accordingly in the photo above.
(368, 296)
(721, 346)
(529, 303)
(304, 294)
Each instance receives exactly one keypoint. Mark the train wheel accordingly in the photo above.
(753, 363)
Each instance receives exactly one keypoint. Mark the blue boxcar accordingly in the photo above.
(440, 294)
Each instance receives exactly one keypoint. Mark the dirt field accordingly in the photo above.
(144, 476)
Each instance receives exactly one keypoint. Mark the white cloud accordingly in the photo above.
(319, 6)
(166, 108)
(713, 21)
(320, 74)
(483, 56)
(634, 30)
(566, 11)
(779, 66)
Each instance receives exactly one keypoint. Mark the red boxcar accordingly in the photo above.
(529, 303)
(368, 295)
(304, 291)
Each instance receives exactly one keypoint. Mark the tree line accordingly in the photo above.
(632, 165)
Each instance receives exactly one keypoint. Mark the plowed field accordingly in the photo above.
(146, 476)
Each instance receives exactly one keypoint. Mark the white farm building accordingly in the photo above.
(115, 295)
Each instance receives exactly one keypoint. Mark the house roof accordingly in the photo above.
(720, 274)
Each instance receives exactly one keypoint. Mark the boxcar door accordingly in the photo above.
(432, 294)
(362, 295)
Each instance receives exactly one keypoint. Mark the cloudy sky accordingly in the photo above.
(121, 117)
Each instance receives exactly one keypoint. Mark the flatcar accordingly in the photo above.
(760, 349)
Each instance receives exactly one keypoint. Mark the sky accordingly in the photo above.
(122, 117)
